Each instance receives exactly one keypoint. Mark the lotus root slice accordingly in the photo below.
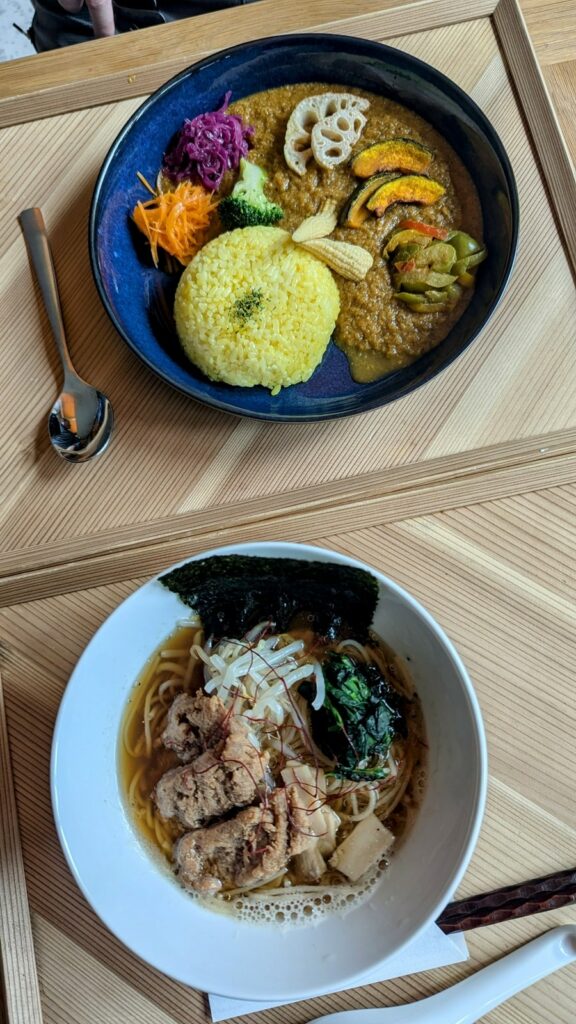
(333, 138)
(311, 112)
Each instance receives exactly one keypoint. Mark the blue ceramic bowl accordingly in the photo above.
(138, 298)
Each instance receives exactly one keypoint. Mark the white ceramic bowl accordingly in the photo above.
(146, 908)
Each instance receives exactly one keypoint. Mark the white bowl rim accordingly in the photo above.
(288, 549)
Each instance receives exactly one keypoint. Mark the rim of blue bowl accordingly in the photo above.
(374, 50)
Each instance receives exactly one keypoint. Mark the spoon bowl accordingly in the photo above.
(80, 422)
(81, 419)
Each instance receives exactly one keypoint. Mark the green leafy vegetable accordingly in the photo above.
(232, 593)
(247, 206)
(361, 715)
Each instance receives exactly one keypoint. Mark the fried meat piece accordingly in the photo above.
(247, 850)
(214, 783)
(195, 723)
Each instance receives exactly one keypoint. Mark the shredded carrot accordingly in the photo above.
(146, 184)
(176, 221)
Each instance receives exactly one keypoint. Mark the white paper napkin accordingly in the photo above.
(432, 949)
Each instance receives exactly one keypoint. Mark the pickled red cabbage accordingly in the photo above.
(207, 147)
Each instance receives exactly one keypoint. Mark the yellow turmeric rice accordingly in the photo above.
(253, 308)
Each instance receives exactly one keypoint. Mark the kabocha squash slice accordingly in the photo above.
(355, 212)
(408, 188)
(396, 154)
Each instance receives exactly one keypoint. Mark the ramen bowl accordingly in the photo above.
(139, 299)
(134, 892)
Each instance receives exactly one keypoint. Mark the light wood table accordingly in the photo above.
(465, 493)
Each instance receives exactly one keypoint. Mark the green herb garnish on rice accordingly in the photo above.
(245, 307)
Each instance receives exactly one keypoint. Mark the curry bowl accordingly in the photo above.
(139, 298)
(131, 886)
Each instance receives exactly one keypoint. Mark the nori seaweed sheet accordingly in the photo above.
(232, 593)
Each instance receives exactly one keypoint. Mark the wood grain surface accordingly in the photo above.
(561, 82)
(18, 978)
(500, 578)
(530, 85)
(304, 515)
(172, 458)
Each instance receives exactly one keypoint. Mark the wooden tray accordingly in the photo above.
(500, 579)
(499, 576)
(180, 476)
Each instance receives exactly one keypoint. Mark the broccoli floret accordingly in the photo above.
(247, 206)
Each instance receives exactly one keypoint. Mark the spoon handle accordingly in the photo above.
(34, 229)
(476, 996)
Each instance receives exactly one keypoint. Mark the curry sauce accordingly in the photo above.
(378, 333)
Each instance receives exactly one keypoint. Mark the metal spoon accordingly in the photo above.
(476, 996)
(81, 419)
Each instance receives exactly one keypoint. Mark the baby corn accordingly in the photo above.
(350, 261)
(318, 226)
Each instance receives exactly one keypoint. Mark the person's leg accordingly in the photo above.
(53, 27)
